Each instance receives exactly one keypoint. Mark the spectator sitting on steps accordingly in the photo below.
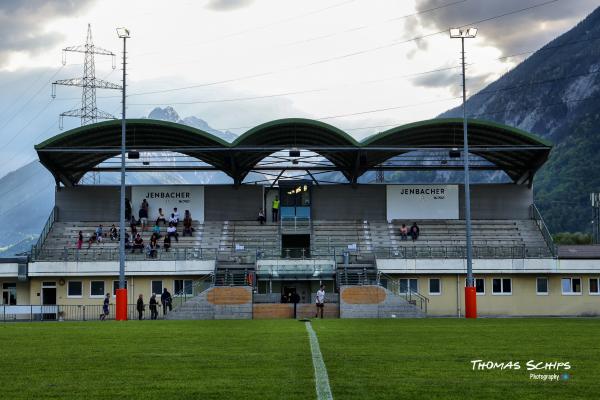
(156, 231)
(113, 232)
(172, 231)
(261, 217)
(99, 233)
(138, 243)
(93, 239)
(187, 224)
(167, 243)
(161, 217)
(403, 232)
(414, 231)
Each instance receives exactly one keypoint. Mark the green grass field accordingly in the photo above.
(365, 359)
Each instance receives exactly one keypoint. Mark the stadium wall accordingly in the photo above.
(497, 201)
(343, 202)
(227, 202)
(89, 203)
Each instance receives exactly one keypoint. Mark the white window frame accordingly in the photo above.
(162, 287)
(408, 284)
(475, 282)
(183, 282)
(547, 292)
(429, 287)
(590, 287)
(74, 297)
(103, 290)
(570, 278)
(502, 293)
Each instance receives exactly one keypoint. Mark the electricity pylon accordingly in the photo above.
(88, 112)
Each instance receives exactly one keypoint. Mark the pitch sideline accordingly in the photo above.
(321, 377)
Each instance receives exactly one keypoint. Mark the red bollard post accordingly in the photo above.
(470, 302)
(121, 305)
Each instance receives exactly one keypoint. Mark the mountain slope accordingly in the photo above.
(28, 192)
(555, 94)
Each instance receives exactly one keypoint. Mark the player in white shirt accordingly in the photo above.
(320, 301)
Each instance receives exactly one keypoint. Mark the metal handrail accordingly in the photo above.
(537, 216)
(411, 296)
(52, 218)
(198, 287)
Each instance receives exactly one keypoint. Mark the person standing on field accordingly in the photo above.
(153, 307)
(165, 299)
(320, 301)
(140, 307)
(105, 307)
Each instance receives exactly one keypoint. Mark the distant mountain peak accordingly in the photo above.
(168, 113)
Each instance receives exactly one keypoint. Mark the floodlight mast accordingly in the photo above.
(470, 290)
(123, 33)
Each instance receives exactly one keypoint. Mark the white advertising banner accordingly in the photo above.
(408, 202)
(184, 197)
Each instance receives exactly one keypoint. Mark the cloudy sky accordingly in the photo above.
(361, 65)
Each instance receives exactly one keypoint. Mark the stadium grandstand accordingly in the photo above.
(338, 223)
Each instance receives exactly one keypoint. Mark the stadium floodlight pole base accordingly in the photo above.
(121, 305)
(470, 302)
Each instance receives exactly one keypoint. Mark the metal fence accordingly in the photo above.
(58, 312)
(112, 254)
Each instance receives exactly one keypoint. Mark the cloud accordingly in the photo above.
(452, 81)
(513, 33)
(22, 24)
(227, 5)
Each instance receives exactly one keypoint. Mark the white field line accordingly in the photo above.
(321, 378)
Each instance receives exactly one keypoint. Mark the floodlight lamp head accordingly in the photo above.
(463, 33)
(123, 33)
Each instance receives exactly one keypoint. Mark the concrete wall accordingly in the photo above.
(226, 202)
(217, 303)
(505, 201)
(374, 302)
(343, 202)
(524, 301)
(89, 203)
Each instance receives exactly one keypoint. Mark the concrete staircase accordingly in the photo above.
(216, 303)
(373, 301)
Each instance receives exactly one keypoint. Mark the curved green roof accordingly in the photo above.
(68, 154)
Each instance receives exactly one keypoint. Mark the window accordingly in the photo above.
(97, 289)
(116, 286)
(571, 286)
(183, 286)
(595, 286)
(435, 286)
(541, 286)
(404, 285)
(9, 294)
(479, 286)
(502, 286)
(74, 289)
(157, 287)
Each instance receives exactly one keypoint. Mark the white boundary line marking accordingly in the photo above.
(321, 377)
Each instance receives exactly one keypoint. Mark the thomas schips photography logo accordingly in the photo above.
(545, 371)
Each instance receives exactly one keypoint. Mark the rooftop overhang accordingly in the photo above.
(70, 155)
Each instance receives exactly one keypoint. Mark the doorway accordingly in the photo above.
(295, 246)
(48, 299)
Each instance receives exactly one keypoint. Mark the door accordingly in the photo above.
(295, 199)
(9, 294)
(49, 299)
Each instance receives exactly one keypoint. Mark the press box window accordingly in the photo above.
(541, 286)
(501, 286)
(594, 286)
(97, 288)
(571, 286)
(75, 289)
(435, 286)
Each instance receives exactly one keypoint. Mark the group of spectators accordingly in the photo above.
(134, 241)
(165, 299)
(413, 232)
(167, 303)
